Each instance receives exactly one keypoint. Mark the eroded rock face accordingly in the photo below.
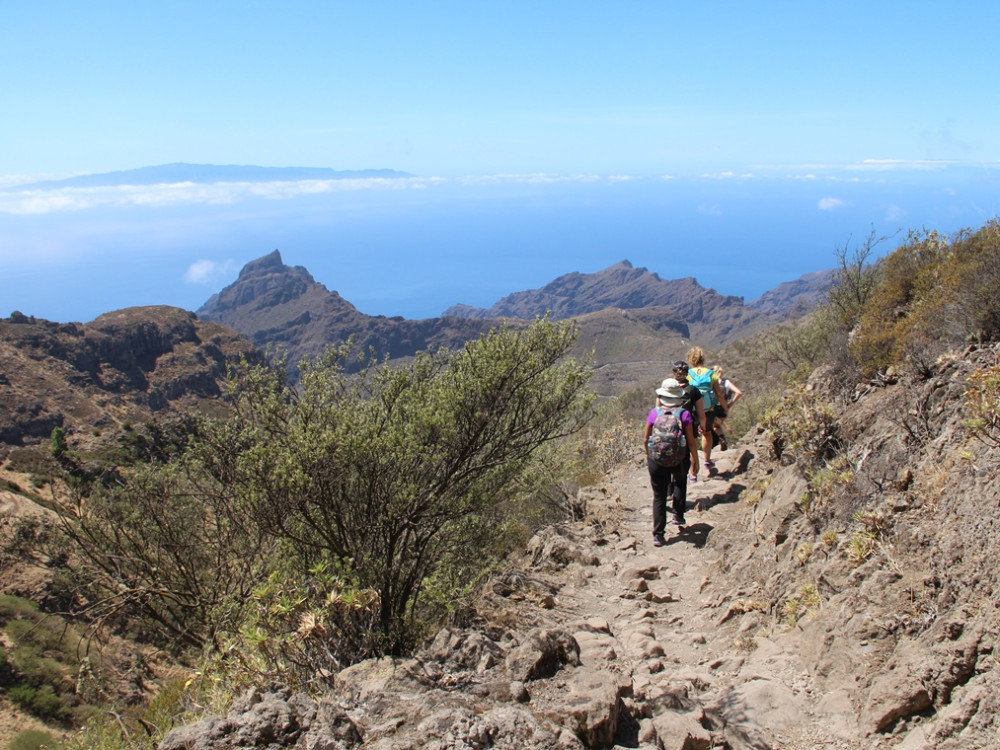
(125, 365)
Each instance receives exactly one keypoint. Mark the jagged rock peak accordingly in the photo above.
(269, 264)
(271, 260)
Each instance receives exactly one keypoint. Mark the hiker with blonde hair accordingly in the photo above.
(732, 394)
(706, 380)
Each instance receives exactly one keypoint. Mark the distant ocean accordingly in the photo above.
(416, 248)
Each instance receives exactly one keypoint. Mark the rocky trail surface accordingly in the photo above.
(601, 640)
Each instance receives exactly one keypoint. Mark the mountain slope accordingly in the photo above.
(713, 319)
(789, 298)
(633, 321)
(122, 367)
(284, 308)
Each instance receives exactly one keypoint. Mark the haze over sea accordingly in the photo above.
(415, 246)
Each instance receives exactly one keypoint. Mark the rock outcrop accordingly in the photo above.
(709, 317)
(122, 367)
(283, 308)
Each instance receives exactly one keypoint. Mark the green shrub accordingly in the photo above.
(142, 727)
(42, 659)
(930, 294)
(803, 426)
(34, 740)
(387, 478)
(58, 442)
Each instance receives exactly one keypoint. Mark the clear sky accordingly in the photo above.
(456, 90)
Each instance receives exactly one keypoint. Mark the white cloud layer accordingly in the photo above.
(24, 202)
(210, 272)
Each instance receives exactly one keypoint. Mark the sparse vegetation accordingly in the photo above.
(42, 663)
(860, 546)
(803, 552)
(753, 494)
(982, 404)
(34, 740)
(805, 602)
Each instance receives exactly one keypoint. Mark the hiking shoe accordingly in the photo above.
(676, 520)
(709, 464)
(680, 521)
(658, 540)
(723, 443)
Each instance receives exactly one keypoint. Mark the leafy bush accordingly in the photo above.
(58, 442)
(931, 293)
(163, 548)
(387, 478)
(300, 631)
(803, 426)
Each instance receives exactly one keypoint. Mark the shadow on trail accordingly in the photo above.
(696, 534)
(731, 495)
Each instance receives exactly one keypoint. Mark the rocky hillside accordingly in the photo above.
(631, 319)
(849, 608)
(713, 319)
(283, 308)
(793, 299)
(124, 366)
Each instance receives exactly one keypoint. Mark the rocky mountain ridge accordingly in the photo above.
(713, 319)
(281, 306)
(284, 308)
(124, 366)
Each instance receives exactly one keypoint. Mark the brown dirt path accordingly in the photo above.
(669, 616)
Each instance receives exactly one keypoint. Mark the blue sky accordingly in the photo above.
(887, 111)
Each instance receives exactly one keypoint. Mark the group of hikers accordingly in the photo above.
(694, 402)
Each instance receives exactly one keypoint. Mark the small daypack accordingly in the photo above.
(701, 378)
(667, 444)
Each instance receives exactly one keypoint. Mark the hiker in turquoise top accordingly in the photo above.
(706, 380)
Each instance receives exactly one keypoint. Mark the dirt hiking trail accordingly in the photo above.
(684, 632)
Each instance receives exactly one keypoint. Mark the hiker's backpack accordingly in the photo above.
(667, 444)
(701, 378)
